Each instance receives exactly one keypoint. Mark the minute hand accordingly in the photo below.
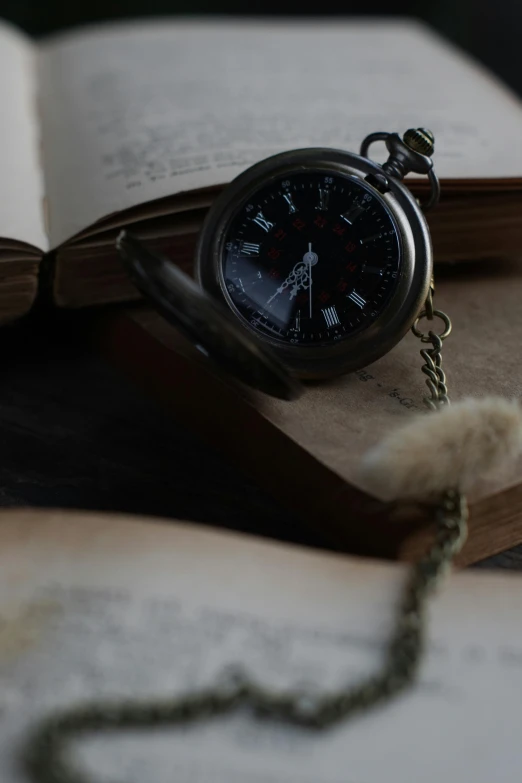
(311, 257)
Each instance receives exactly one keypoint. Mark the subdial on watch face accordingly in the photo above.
(311, 258)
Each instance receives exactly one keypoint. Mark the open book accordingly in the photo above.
(94, 607)
(141, 123)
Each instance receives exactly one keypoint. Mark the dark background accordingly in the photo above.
(488, 29)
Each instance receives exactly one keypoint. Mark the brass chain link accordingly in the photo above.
(47, 756)
(432, 367)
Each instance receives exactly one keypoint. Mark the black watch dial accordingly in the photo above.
(311, 258)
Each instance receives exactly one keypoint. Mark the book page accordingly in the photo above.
(95, 607)
(21, 177)
(142, 111)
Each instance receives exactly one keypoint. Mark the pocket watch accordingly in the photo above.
(311, 263)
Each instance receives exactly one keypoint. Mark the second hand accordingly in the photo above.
(310, 276)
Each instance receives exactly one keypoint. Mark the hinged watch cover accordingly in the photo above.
(204, 321)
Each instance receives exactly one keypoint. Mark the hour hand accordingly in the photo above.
(279, 291)
(294, 279)
(304, 281)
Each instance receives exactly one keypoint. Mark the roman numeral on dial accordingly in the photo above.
(249, 249)
(352, 214)
(262, 222)
(330, 316)
(291, 206)
(372, 238)
(324, 199)
(357, 299)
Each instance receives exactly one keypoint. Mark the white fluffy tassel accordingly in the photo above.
(455, 447)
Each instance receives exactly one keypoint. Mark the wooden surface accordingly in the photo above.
(76, 434)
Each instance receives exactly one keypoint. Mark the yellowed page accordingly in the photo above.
(21, 177)
(145, 110)
(93, 606)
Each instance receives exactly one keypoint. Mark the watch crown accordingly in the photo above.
(420, 140)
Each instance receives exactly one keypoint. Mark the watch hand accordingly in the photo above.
(310, 274)
(310, 258)
(303, 280)
(294, 278)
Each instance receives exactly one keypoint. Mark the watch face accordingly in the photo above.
(311, 258)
